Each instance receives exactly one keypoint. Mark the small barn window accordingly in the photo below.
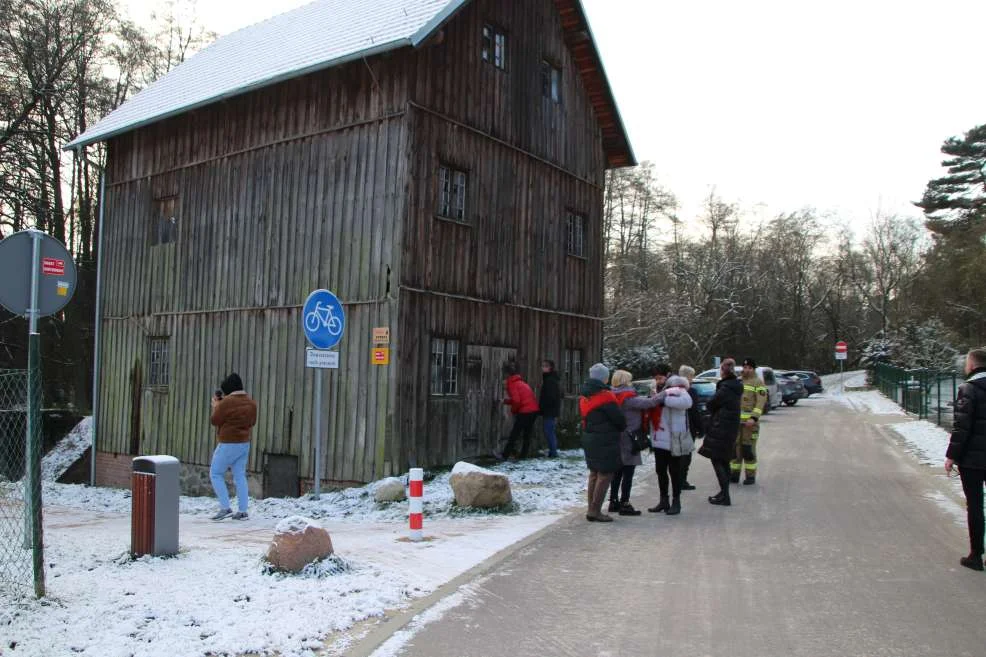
(444, 367)
(551, 81)
(159, 372)
(452, 193)
(164, 223)
(573, 370)
(575, 234)
(495, 46)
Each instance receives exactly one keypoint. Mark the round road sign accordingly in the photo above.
(57, 275)
(841, 347)
(323, 319)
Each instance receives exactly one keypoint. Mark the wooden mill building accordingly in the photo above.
(438, 164)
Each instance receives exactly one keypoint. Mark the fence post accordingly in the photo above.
(938, 383)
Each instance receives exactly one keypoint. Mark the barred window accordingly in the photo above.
(495, 46)
(159, 372)
(575, 234)
(551, 81)
(573, 370)
(444, 367)
(451, 193)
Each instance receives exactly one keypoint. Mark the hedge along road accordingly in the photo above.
(838, 551)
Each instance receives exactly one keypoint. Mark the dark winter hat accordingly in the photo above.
(749, 362)
(232, 383)
(662, 370)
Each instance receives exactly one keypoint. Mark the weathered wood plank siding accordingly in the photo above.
(279, 192)
(503, 277)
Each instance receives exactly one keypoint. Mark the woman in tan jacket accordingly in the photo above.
(233, 414)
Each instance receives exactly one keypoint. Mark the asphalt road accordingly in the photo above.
(838, 551)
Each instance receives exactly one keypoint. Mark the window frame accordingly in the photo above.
(158, 221)
(159, 362)
(575, 234)
(551, 81)
(449, 204)
(573, 360)
(494, 46)
(446, 367)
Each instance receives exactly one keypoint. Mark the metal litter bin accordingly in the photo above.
(154, 521)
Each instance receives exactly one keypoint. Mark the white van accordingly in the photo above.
(766, 375)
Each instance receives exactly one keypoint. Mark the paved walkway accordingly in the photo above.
(839, 551)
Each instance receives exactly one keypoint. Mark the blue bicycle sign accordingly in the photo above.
(323, 319)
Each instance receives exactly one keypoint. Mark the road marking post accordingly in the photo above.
(416, 512)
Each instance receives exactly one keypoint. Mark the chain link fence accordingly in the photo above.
(19, 540)
(928, 394)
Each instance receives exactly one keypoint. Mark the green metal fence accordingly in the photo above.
(19, 488)
(928, 394)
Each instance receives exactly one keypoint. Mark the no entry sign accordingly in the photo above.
(841, 350)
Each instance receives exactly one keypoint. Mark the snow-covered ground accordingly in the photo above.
(215, 596)
(871, 401)
(68, 450)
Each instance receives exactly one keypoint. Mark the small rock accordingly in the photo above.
(390, 490)
(298, 541)
(477, 487)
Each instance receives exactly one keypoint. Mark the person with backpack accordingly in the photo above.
(602, 424)
(524, 406)
(634, 408)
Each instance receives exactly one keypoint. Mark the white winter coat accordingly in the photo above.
(672, 434)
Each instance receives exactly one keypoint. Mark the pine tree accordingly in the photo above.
(959, 196)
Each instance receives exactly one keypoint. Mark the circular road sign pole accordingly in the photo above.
(323, 320)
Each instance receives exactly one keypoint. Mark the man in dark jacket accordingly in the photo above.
(719, 445)
(602, 424)
(550, 403)
(967, 449)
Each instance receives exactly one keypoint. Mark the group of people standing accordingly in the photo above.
(619, 425)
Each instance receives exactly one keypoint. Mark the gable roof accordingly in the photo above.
(325, 34)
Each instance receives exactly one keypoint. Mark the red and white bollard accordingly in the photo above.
(417, 491)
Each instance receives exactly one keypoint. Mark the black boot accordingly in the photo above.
(628, 510)
(661, 506)
(687, 486)
(614, 506)
(750, 480)
(973, 562)
(722, 499)
(734, 477)
(675, 507)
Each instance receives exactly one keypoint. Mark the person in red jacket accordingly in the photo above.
(524, 406)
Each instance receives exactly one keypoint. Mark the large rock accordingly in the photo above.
(298, 541)
(389, 490)
(477, 487)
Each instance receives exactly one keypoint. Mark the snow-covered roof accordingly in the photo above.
(319, 35)
(327, 33)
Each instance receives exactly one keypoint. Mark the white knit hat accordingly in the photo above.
(677, 382)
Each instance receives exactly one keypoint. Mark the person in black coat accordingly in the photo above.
(967, 450)
(696, 424)
(602, 424)
(550, 402)
(719, 445)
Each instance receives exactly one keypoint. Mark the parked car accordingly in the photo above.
(813, 382)
(708, 374)
(792, 387)
(766, 375)
(706, 389)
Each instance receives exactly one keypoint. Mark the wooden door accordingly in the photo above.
(487, 421)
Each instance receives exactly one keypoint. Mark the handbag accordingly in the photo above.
(639, 441)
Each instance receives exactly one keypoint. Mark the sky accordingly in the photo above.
(841, 106)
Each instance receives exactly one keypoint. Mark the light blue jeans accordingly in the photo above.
(226, 456)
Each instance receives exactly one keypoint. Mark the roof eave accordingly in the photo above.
(82, 141)
(437, 22)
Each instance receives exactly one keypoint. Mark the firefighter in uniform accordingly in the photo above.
(752, 406)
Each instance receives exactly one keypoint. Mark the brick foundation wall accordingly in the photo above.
(114, 471)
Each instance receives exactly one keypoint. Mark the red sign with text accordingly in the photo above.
(52, 267)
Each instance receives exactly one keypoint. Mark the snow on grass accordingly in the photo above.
(872, 402)
(925, 440)
(855, 380)
(68, 450)
(217, 598)
(539, 486)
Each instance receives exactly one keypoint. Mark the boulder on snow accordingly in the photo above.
(477, 487)
(389, 490)
(298, 541)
